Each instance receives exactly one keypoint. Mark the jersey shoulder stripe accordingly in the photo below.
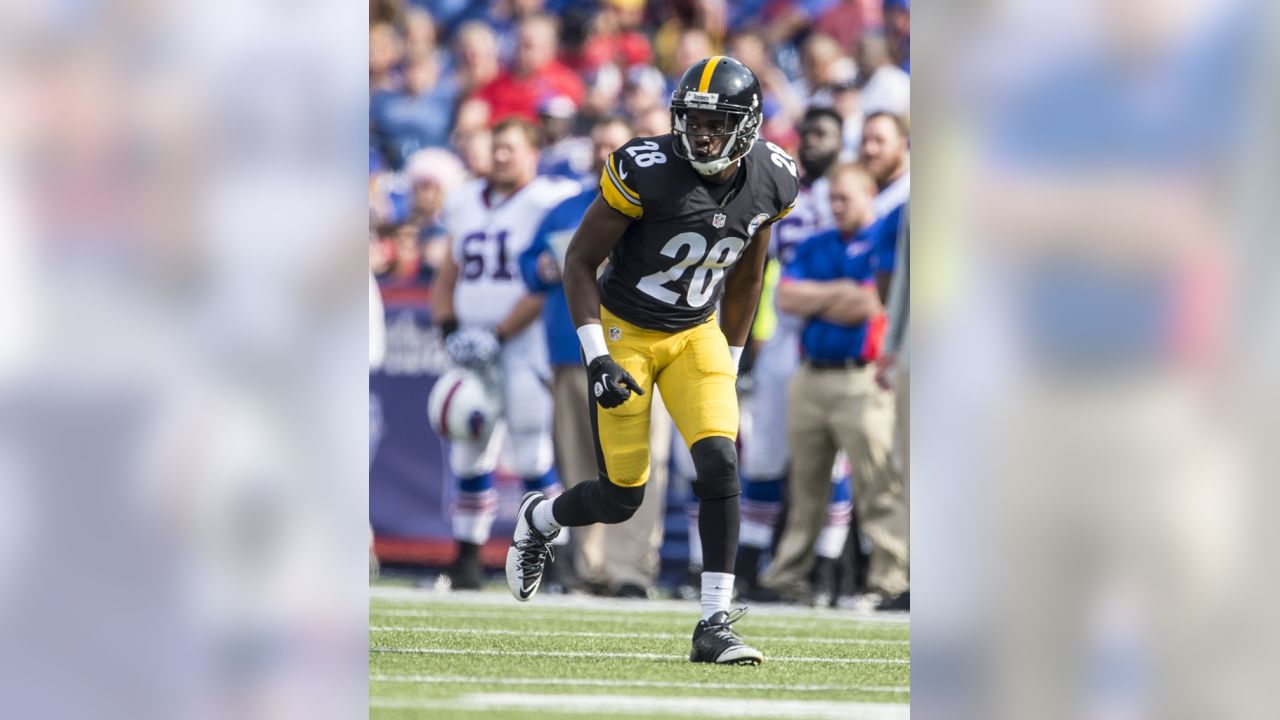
(615, 194)
(618, 180)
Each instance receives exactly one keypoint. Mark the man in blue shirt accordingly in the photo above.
(623, 558)
(837, 281)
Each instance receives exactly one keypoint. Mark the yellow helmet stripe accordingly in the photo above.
(707, 71)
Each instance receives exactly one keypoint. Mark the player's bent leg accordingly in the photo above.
(597, 501)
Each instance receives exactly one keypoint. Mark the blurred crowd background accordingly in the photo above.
(441, 73)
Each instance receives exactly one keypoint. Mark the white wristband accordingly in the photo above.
(736, 354)
(591, 336)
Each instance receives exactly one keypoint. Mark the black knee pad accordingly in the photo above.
(716, 461)
(615, 504)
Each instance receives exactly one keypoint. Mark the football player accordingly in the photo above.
(684, 220)
(491, 324)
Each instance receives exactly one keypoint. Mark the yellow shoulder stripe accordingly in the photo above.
(612, 195)
(611, 168)
(708, 70)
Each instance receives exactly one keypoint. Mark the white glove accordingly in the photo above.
(474, 348)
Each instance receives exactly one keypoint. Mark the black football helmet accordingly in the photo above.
(723, 85)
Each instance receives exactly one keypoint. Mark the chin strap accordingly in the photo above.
(713, 167)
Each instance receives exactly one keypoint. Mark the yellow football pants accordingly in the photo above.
(695, 373)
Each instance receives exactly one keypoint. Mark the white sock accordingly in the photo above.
(717, 591)
(543, 521)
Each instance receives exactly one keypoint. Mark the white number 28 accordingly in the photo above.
(710, 268)
(646, 154)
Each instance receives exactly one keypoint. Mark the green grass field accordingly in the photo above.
(484, 655)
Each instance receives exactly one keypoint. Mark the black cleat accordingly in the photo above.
(467, 573)
(527, 556)
(714, 641)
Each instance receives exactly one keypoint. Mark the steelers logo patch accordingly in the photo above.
(755, 223)
(599, 388)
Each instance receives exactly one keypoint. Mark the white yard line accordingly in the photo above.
(647, 705)
(474, 599)
(633, 635)
(631, 656)
(603, 682)
(822, 622)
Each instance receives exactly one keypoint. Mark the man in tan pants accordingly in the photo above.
(835, 402)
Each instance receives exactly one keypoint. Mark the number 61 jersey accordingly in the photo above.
(667, 271)
(487, 235)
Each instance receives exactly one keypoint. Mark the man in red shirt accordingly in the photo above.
(536, 74)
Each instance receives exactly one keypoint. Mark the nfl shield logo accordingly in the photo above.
(718, 220)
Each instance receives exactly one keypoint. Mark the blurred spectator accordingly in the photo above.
(656, 121)
(475, 57)
(695, 43)
(419, 33)
(419, 116)
(897, 25)
(886, 154)
(823, 66)
(751, 50)
(475, 149)
(676, 47)
(385, 11)
(563, 153)
(847, 20)
(615, 37)
(604, 88)
(784, 21)
(386, 54)
(535, 76)
(645, 89)
(432, 175)
(847, 102)
(883, 85)
(401, 261)
(505, 18)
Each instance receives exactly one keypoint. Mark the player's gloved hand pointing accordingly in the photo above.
(610, 384)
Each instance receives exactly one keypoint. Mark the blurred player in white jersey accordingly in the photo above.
(765, 451)
(492, 325)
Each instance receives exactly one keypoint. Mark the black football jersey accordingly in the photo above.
(667, 272)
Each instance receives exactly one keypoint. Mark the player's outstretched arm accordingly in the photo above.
(601, 228)
(742, 287)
